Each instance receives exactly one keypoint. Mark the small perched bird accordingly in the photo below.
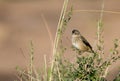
(80, 43)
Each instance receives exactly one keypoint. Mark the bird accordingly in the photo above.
(80, 43)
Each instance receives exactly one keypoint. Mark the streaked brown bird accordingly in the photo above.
(80, 43)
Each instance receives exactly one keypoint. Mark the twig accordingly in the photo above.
(31, 60)
(47, 27)
(106, 71)
(45, 68)
(99, 30)
(57, 36)
(97, 11)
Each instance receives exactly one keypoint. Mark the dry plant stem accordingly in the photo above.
(99, 27)
(18, 77)
(97, 11)
(45, 78)
(33, 78)
(57, 37)
(59, 73)
(99, 31)
(106, 71)
(100, 20)
(47, 27)
(36, 74)
(31, 60)
(99, 36)
(22, 52)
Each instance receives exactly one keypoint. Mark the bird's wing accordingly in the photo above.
(86, 42)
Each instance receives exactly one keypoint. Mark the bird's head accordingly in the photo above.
(75, 33)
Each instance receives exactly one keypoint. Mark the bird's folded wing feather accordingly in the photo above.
(86, 42)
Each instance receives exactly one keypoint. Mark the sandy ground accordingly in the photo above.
(21, 21)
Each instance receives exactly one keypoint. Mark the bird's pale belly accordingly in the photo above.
(81, 46)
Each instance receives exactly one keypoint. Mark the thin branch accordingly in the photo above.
(97, 11)
(31, 59)
(46, 75)
(57, 37)
(106, 71)
(100, 21)
(47, 27)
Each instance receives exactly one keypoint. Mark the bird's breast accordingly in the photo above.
(78, 43)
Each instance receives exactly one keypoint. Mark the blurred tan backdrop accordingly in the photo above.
(20, 22)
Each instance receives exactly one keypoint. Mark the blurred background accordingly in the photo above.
(21, 22)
